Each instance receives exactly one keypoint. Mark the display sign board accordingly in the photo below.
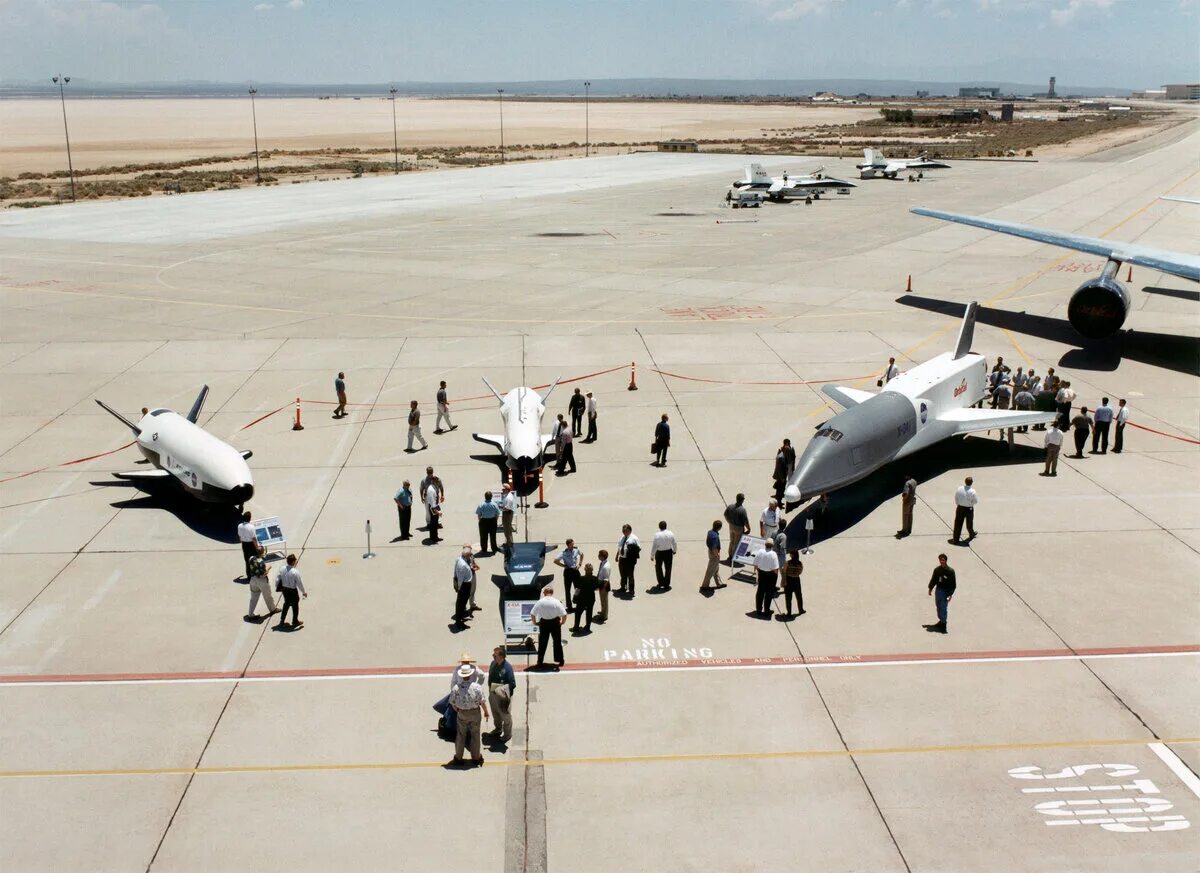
(518, 622)
(269, 532)
(747, 548)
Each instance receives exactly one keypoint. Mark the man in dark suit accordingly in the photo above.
(576, 406)
(662, 440)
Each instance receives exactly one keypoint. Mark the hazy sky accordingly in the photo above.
(1126, 43)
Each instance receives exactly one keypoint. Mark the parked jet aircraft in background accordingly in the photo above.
(929, 403)
(207, 468)
(791, 187)
(875, 164)
(522, 442)
(1100, 305)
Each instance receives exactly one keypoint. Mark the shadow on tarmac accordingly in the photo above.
(850, 505)
(217, 523)
(1169, 351)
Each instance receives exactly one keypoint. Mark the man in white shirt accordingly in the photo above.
(464, 585)
(1053, 443)
(292, 587)
(591, 418)
(549, 615)
(965, 500)
(246, 536)
(629, 549)
(508, 509)
(1102, 416)
(891, 372)
(662, 550)
(766, 562)
(1065, 399)
(604, 575)
(768, 522)
(433, 511)
(1122, 417)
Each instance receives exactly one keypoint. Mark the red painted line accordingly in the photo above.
(647, 664)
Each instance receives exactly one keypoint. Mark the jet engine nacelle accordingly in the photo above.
(1099, 307)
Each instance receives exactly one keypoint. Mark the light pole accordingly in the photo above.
(254, 118)
(61, 80)
(395, 141)
(500, 91)
(587, 130)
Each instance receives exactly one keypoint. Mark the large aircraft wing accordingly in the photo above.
(971, 419)
(492, 439)
(896, 167)
(144, 475)
(1175, 263)
(1195, 201)
(846, 397)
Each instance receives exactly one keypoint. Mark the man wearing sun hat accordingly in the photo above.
(470, 706)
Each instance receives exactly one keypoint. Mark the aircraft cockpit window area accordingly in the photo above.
(158, 411)
(830, 432)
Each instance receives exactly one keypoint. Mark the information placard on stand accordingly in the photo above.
(269, 533)
(747, 548)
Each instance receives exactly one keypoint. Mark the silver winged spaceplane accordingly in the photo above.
(522, 442)
(207, 468)
(929, 403)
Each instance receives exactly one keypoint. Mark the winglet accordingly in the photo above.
(125, 421)
(493, 390)
(966, 332)
(546, 396)
(194, 413)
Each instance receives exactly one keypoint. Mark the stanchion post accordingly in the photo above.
(908, 287)
(633, 376)
(541, 503)
(808, 526)
(297, 425)
(369, 553)
(1129, 275)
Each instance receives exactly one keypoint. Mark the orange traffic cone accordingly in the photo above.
(297, 425)
(633, 376)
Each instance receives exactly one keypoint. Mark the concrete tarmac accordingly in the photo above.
(145, 726)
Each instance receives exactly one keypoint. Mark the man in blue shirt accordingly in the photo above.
(488, 514)
(1103, 417)
(403, 499)
(713, 570)
(339, 386)
(502, 684)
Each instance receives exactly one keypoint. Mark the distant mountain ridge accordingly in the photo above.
(547, 88)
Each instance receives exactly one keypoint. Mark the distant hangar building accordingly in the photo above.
(993, 93)
(1182, 92)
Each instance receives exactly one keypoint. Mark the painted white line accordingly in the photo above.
(644, 670)
(1180, 769)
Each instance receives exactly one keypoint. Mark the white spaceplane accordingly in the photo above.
(206, 468)
(931, 402)
(523, 443)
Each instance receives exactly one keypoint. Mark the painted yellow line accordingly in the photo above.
(1020, 351)
(603, 759)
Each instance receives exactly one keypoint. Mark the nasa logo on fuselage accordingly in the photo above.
(961, 389)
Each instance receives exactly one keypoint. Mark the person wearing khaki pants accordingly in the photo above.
(1053, 443)
(502, 684)
(467, 699)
